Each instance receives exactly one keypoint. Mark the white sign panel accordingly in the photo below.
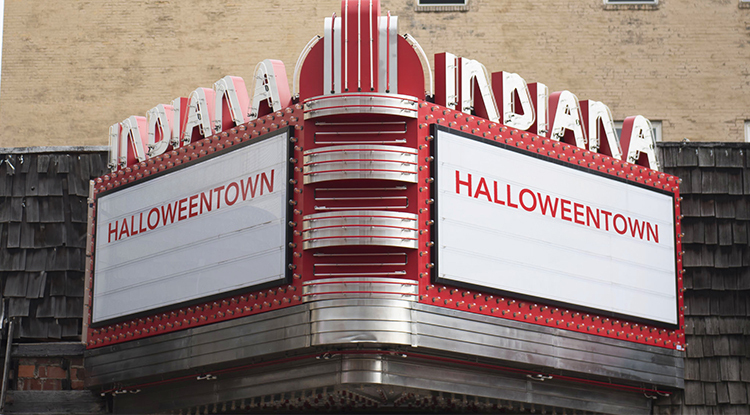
(519, 224)
(208, 228)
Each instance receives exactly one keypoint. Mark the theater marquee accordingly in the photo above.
(214, 226)
(488, 243)
(527, 225)
(471, 191)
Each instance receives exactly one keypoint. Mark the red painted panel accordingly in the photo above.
(411, 79)
(311, 74)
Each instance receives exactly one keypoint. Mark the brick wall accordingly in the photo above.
(79, 69)
(49, 378)
(48, 373)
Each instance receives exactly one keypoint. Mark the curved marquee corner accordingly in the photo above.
(361, 103)
(360, 227)
(346, 162)
(360, 287)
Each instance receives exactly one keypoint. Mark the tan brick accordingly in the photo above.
(77, 70)
(77, 385)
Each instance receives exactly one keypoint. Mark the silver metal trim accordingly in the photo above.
(380, 381)
(338, 68)
(364, 161)
(360, 287)
(361, 103)
(440, 328)
(360, 227)
(338, 322)
(323, 327)
(332, 55)
(328, 64)
(388, 54)
(367, 132)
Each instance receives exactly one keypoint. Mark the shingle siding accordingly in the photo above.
(716, 193)
(43, 239)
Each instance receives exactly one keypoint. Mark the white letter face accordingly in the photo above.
(134, 133)
(200, 114)
(566, 116)
(231, 92)
(270, 86)
(598, 112)
(512, 85)
(473, 70)
(540, 95)
(451, 75)
(638, 140)
(114, 146)
(160, 124)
